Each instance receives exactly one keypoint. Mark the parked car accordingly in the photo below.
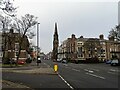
(59, 60)
(108, 61)
(9, 61)
(115, 62)
(21, 62)
(28, 60)
(64, 61)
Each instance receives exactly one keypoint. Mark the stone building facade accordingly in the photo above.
(11, 45)
(81, 49)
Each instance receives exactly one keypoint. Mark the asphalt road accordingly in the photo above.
(71, 76)
(35, 81)
(89, 75)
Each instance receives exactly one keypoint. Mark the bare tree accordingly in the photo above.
(24, 27)
(5, 22)
(115, 33)
(7, 7)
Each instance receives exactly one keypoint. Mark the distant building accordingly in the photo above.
(81, 49)
(42, 55)
(71, 48)
(67, 50)
(11, 45)
(48, 56)
(62, 50)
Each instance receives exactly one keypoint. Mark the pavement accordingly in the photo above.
(32, 71)
(8, 84)
(31, 68)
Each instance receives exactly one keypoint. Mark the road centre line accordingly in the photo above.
(76, 70)
(68, 67)
(65, 64)
(65, 81)
(96, 75)
(112, 70)
(94, 69)
(88, 70)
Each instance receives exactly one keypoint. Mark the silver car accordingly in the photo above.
(115, 62)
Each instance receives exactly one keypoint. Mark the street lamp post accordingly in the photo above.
(37, 36)
(37, 40)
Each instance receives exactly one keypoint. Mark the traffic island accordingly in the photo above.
(32, 71)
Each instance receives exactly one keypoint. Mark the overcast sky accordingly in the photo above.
(78, 17)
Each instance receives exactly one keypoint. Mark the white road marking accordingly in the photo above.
(76, 70)
(114, 70)
(88, 70)
(47, 65)
(111, 72)
(68, 67)
(65, 64)
(96, 76)
(94, 69)
(65, 81)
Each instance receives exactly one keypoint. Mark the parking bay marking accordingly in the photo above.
(96, 75)
(112, 72)
(65, 81)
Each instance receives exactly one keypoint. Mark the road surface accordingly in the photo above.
(71, 76)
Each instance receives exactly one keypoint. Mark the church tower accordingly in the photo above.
(55, 44)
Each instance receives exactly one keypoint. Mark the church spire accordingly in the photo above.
(56, 29)
(55, 44)
(56, 33)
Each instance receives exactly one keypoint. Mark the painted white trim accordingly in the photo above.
(22, 58)
(16, 43)
(19, 58)
(9, 50)
(17, 51)
(23, 50)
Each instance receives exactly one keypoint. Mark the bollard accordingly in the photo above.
(55, 67)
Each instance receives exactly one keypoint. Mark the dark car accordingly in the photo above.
(115, 62)
(38, 59)
(59, 60)
(28, 60)
(64, 61)
(108, 61)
